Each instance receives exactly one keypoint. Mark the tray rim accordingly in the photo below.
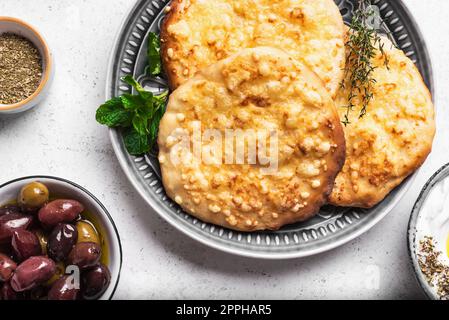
(125, 164)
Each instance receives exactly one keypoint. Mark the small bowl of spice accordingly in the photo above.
(26, 66)
(428, 236)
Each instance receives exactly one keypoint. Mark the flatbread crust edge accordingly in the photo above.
(176, 6)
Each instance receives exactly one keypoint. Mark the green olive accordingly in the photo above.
(33, 196)
(87, 232)
(60, 271)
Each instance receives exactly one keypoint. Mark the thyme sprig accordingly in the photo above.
(362, 46)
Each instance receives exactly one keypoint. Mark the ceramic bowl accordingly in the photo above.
(429, 218)
(62, 188)
(21, 28)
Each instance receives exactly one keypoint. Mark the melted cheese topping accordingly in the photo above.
(200, 33)
(392, 140)
(263, 90)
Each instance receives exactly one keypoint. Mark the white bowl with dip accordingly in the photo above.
(23, 29)
(430, 218)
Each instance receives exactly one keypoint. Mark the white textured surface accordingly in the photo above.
(61, 138)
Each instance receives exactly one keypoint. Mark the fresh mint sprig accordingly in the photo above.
(138, 115)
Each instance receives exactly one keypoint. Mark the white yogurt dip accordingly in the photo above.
(433, 220)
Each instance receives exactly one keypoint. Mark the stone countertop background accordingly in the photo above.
(61, 138)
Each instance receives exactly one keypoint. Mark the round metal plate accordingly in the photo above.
(331, 228)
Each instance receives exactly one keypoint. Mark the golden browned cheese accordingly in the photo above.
(259, 90)
(392, 140)
(198, 33)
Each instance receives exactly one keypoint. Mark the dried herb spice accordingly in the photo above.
(434, 270)
(20, 68)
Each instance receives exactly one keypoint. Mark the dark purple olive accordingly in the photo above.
(61, 241)
(84, 255)
(12, 222)
(60, 211)
(7, 267)
(7, 293)
(8, 209)
(64, 289)
(95, 281)
(32, 272)
(25, 245)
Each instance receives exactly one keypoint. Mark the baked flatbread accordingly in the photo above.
(392, 140)
(198, 33)
(259, 94)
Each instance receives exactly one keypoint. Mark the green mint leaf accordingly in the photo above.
(154, 125)
(132, 82)
(161, 99)
(147, 108)
(140, 124)
(135, 143)
(154, 54)
(136, 85)
(131, 103)
(112, 114)
(160, 105)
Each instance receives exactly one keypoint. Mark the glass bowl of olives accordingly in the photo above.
(57, 242)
